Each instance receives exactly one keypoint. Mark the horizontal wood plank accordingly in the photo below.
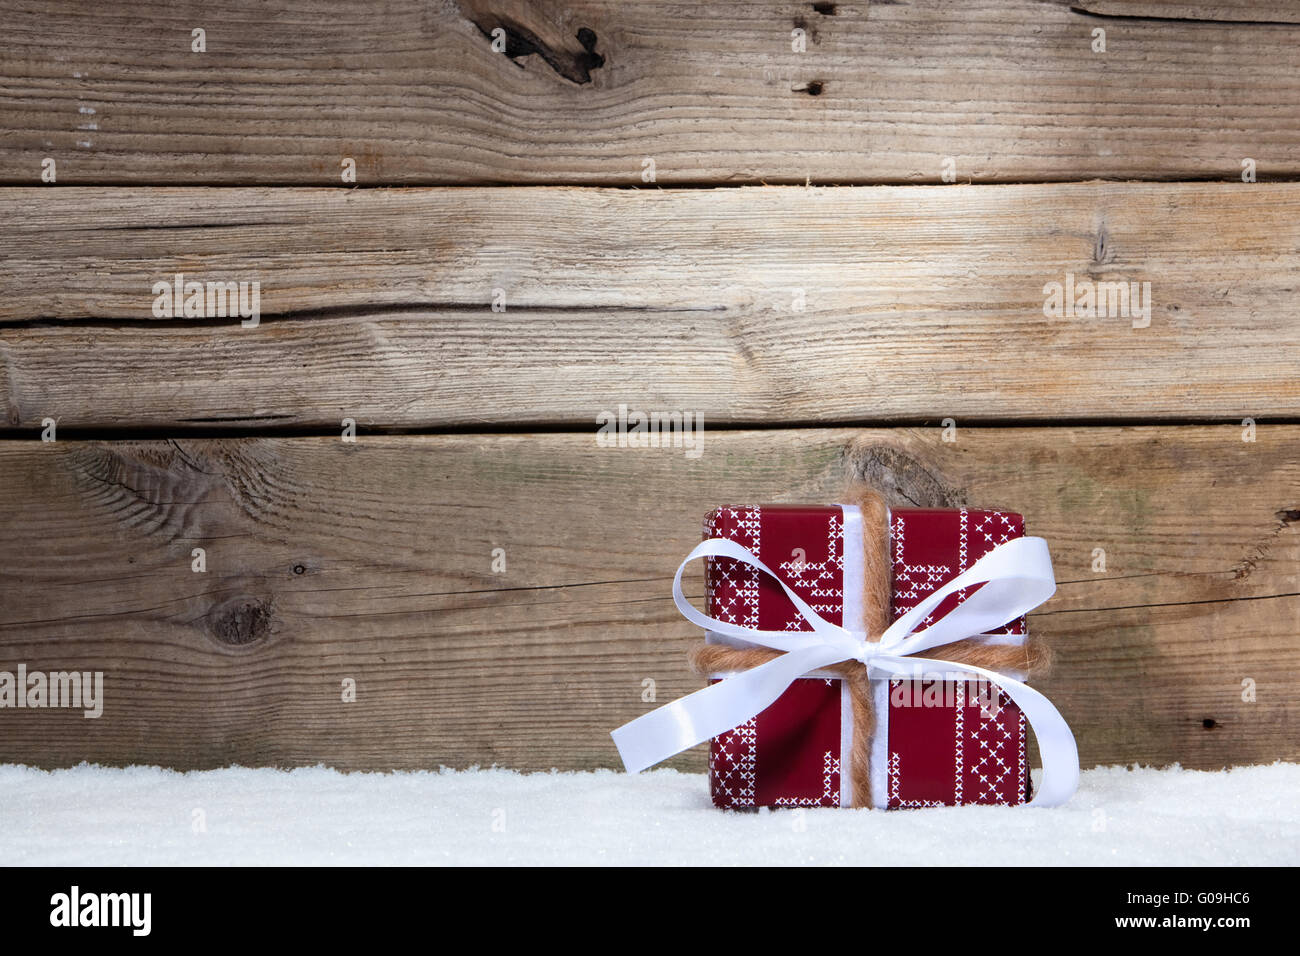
(1247, 11)
(748, 306)
(372, 561)
(585, 92)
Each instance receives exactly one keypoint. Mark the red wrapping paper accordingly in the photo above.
(945, 742)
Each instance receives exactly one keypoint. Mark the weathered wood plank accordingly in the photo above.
(372, 561)
(1248, 11)
(586, 91)
(917, 303)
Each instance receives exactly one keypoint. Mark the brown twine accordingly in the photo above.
(1031, 657)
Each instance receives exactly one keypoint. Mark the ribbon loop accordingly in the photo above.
(1010, 580)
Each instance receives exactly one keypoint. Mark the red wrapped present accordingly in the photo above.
(862, 657)
(943, 745)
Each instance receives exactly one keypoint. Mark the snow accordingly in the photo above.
(91, 815)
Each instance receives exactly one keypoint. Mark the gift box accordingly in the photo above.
(935, 742)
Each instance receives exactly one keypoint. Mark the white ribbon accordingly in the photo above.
(1016, 577)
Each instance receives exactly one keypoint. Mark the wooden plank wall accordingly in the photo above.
(584, 92)
(821, 293)
(750, 306)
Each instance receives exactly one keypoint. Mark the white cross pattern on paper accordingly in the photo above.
(895, 772)
(830, 786)
(993, 766)
(733, 764)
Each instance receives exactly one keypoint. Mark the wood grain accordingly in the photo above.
(1247, 11)
(918, 303)
(585, 92)
(328, 560)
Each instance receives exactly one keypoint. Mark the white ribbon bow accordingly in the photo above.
(1016, 577)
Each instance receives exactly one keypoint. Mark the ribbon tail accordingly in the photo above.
(716, 709)
(1056, 744)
